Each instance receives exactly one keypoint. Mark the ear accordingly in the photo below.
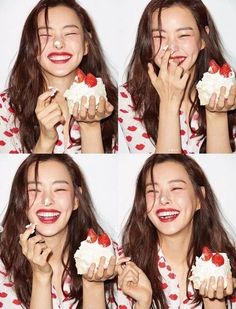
(202, 41)
(204, 195)
(86, 48)
(76, 201)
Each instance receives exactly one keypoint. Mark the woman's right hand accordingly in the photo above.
(134, 283)
(48, 113)
(37, 253)
(170, 83)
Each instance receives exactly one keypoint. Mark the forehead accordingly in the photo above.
(59, 16)
(168, 171)
(174, 17)
(49, 171)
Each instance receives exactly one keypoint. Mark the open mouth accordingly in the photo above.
(167, 215)
(59, 58)
(48, 216)
(178, 59)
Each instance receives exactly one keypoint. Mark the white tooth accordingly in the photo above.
(48, 214)
(60, 57)
(168, 213)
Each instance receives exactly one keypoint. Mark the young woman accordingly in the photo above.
(159, 108)
(57, 39)
(176, 209)
(48, 215)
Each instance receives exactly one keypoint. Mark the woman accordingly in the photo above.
(48, 215)
(175, 208)
(57, 39)
(159, 108)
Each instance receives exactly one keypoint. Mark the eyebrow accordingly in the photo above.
(65, 27)
(179, 29)
(54, 182)
(171, 181)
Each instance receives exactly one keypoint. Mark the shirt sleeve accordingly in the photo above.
(132, 126)
(9, 132)
(8, 298)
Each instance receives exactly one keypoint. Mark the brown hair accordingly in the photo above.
(27, 82)
(16, 219)
(145, 98)
(207, 230)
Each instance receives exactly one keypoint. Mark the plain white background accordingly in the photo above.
(111, 180)
(116, 23)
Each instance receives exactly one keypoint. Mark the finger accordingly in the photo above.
(220, 288)
(100, 271)
(31, 245)
(129, 276)
(83, 109)
(91, 271)
(165, 61)
(229, 289)
(221, 101)
(212, 102)
(211, 288)
(46, 254)
(202, 289)
(232, 96)
(47, 110)
(128, 270)
(111, 269)
(76, 109)
(92, 107)
(172, 67)
(43, 99)
(101, 107)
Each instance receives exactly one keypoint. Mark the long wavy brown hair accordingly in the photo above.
(26, 81)
(140, 236)
(145, 98)
(15, 220)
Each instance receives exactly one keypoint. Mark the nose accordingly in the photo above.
(172, 44)
(58, 43)
(47, 201)
(164, 199)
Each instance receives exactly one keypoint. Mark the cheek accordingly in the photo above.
(150, 201)
(191, 46)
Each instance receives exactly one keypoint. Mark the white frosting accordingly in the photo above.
(203, 270)
(211, 83)
(78, 90)
(89, 253)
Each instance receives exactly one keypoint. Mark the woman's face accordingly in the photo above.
(172, 202)
(52, 201)
(179, 31)
(63, 46)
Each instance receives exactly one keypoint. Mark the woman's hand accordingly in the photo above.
(37, 253)
(92, 113)
(171, 82)
(49, 114)
(135, 284)
(223, 105)
(215, 289)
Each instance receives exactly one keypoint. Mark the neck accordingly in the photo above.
(175, 248)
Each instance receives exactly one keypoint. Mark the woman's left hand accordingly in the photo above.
(215, 289)
(92, 113)
(223, 105)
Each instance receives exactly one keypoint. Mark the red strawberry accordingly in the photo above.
(218, 259)
(80, 76)
(90, 80)
(225, 70)
(92, 236)
(206, 253)
(214, 67)
(104, 240)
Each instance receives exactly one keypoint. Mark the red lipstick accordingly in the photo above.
(48, 216)
(167, 214)
(59, 57)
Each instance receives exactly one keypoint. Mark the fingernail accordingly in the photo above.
(165, 48)
(53, 90)
(32, 226)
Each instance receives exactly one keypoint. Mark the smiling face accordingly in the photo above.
(179, 32)
(172, 202)
(52, 201)
(62, 43)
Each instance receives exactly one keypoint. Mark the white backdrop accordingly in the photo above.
(111, 180)
(116, 23)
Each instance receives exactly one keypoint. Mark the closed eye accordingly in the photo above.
(184, 35)
(176, 188)
(71, 33)
(60, 190)
(34, 190)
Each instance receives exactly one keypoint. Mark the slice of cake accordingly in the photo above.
(208, 265)
(91, 250)
(84, 85)
(213, 80)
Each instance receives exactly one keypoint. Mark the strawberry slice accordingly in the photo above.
(80, 76)
(207, 254)
(218, 259)
(214, 67)
(104, 240)
(225, 70)
(90, 80)
(92, 236)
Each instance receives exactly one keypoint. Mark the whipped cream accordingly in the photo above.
(78, 90)
(211, 83)
(89, 253)
(203, 270)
